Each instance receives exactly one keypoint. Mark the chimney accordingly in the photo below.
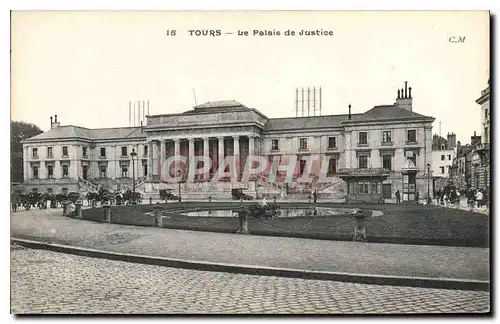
(474, 140)
(349, 111)
(55, 124)
(404, 99)
(51, 122)
(452, 140)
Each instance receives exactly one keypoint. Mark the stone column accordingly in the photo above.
(251, 150)
(191, 161)
(221, 154)
(163, 152)
(25, 164)
(155, 161)
(206, 154)
(150, 160)
(177, 153)
(236, 156)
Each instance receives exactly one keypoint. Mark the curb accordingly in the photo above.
(420, 282)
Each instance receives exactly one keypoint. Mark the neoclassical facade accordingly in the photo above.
(384, 136)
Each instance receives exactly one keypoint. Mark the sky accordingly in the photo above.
(87, 66)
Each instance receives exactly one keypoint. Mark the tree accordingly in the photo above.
(19, 131)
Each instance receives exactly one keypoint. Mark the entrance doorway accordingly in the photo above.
(85, 171)
(387, 191)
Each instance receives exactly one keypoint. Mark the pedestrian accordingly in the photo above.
(471, 197)
(479, 198)
(417, 197)
(314, 196)
(398, 197)
(242, 217)
(453, 197)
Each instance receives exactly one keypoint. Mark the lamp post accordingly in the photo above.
(133, 154)
(179, 176)
(428, 184)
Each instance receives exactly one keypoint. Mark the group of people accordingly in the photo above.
(475, 198)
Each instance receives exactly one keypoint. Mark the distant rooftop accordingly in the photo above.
(70, 131)
(221, 104)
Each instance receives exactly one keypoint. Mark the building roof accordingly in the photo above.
(220, 104)
(216, 106)
(377, 113)
(70, 132)
(386, 112)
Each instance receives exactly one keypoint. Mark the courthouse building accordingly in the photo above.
(72, 158)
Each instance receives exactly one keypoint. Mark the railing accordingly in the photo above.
(89, 185)
(140, 181)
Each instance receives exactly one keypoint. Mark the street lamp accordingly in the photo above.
(133, 154)
(179, 176)
(428, 184)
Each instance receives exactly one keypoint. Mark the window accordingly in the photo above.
(84, 151)
(485, 113)
(50, 190)
(49, 151)
(35, 172)
(103, 169)
(145, 150)
(413, 158)
(449, 157)
(442, 146)
(363, 138)
(302, 166)
(64, 191)
(50, 171)
(486, 135)
(103, 151)
(386, 137)
(387, 162)
(124, 171)
(303, 143)
(274, 145)
(442, 157)
(332, 166)
(146, 169)
(124, 151)
(412, 136)
(332, 142)
(363, 161)
(442, 170)
(35, 152)
(65, 151)
(65, 170)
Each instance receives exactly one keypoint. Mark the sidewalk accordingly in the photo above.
(248, 250)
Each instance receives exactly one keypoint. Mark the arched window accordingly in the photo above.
(442, 146)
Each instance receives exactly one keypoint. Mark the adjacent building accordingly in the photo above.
(443, 155)
(73, 158)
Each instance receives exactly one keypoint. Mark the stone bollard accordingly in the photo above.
(243, 221)
(158, 211)
(78, 209)
(65, 205)
(360, 225)
(106, 207)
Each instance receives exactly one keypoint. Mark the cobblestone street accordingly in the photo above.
(50, 282)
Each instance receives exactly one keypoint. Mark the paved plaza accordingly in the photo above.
(50, 282)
